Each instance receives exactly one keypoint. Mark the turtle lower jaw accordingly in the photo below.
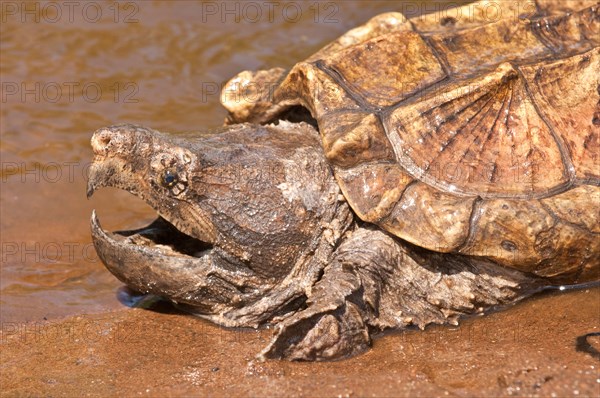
(156, 259)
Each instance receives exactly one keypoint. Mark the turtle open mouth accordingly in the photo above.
(157, 259)
(160, 237)
(159, 241)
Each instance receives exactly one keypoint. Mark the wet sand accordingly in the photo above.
(529, 350)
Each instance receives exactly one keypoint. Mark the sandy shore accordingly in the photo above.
(528, 350)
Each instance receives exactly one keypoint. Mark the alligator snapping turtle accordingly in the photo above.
(410, 172)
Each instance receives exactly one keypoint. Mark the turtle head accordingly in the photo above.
(145, 163)
(240, 213)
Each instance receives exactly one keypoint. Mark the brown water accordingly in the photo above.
(68, 68)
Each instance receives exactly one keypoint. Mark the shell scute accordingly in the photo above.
(431, 218)
(379, 25)
(528, 236)
(480, 136)
(376, 188)
(483, 47)
(587, 217)
(506, 231)
(571, 108)
(377, 70)
(309, 86)
(353, 138)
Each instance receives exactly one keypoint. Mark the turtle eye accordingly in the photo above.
(170, 178)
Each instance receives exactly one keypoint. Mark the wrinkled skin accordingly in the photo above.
(253, 229)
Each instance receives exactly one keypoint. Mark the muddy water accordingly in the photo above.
(68, 68)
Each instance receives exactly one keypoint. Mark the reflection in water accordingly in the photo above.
(588, 344)
(134, 299)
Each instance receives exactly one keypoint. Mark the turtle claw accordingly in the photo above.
(311, 335)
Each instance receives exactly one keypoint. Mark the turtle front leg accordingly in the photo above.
(331, 327)
(375, 282)
(335, 323)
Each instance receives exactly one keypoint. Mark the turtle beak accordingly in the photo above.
(99, 143)
(111, 147)
(90, 189)
(109, 173)
(92, 181)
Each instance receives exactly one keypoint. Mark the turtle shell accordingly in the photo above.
(465, 134)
